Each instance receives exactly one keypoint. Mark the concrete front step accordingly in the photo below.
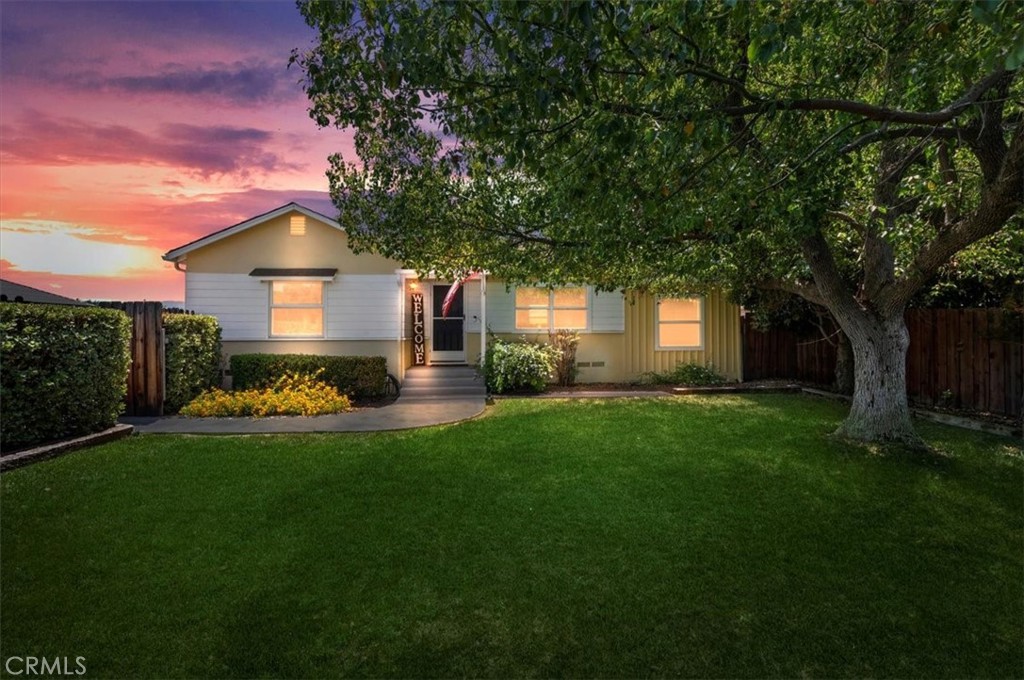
(452, 371)
(406, 399)
(470, 390)
(416, 381)
(439, 383)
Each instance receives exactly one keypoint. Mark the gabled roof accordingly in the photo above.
(177, 253)
(17, 292)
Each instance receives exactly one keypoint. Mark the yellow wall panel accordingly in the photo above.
(721, 338)
(272, 245)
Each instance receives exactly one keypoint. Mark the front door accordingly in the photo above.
(448, 343)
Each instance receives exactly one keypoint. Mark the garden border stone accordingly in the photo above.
(47, 451)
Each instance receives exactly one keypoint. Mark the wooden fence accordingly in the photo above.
(962, 358)
(146, 377)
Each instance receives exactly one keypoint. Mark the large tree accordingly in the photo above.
(842, 151)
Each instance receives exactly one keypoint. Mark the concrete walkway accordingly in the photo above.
(398, 416)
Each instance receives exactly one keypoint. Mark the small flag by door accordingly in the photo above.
(453, 291)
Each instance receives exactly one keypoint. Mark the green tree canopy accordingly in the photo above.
(842, 151)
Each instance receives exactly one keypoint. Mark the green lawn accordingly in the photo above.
(720, 536)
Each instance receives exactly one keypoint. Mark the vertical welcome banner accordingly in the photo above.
(419, 346)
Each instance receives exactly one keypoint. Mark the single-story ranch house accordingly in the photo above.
(287, 282)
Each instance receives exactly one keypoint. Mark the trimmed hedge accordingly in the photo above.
(63, 371)
(360, 377)
(192, 356)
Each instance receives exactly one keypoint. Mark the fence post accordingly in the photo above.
(145, 393)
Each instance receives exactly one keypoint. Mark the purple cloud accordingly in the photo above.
(240, 84)
(204, 150)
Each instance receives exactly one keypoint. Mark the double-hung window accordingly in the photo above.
(546, 310)
(296, 309)
(680, 323)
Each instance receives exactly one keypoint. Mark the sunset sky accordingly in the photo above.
(129, 128)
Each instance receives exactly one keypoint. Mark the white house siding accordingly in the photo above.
(607, 312)
(356, 307)
(362, 307)
(239, 302)
(501, 308)
(471, 305)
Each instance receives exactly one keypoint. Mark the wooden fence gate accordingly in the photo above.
(145, 396)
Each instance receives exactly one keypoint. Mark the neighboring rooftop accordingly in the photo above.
(16, 292)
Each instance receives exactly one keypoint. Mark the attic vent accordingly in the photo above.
(297, 227)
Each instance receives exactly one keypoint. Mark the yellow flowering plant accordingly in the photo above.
(293, 394)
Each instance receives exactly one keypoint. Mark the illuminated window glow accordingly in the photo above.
(680, 323)
(540, 309)
(296, 309)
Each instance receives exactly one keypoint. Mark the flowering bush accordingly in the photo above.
(293, 394)
(517, 366)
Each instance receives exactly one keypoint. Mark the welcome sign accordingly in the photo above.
(419, 346)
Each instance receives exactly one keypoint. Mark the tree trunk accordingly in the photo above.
(880, 412)
(844, 365)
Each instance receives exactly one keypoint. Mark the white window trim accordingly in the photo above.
(588, 308)
(657, 325)
(271, 306)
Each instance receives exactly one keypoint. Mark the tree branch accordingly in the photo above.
(1000, 201)
(834, 293)
(886, 133)
(804, 290)
(879, 113)
(849, 219)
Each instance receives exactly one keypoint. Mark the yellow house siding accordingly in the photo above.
(721, 338)
(272, 245)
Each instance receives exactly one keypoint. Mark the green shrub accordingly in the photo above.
(566, 342)
(692, 375)
(359, 377)
(293, 394)
(518, 366)
(192, 357)
(63, 371)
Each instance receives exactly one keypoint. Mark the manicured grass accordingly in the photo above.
(723, 536)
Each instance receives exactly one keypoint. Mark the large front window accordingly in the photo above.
(680, 323)
(296, 309)
(541, 309)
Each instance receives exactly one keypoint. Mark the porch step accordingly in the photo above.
(434, 383)
(438, 381)
(406, 399)
(467, 390)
